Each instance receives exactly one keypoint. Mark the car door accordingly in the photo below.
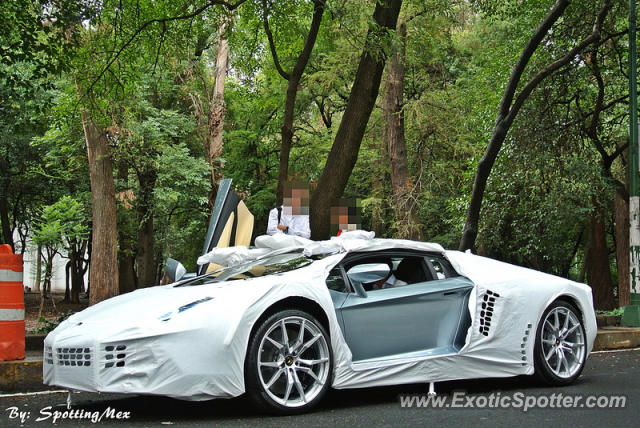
(231, 223)
(427, 316)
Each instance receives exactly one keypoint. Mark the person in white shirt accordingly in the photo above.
(392, 281)
(292, 217)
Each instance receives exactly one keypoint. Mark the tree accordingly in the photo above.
(103, 272)
(344, 151)
(33, 48)
(511, 104)
(404, 202)
(63, 226)
(293, 80)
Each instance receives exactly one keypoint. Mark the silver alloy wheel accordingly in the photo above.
(293, 361)
(563, 342)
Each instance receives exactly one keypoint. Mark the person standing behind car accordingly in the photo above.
(292, 217)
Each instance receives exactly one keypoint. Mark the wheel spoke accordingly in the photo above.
(551, 330)
(273, 364)
(556, 321)
(312, 362)
(289, 386)
(311, 373)
(548, 341)
(299, 386)
(550, 354)
(558, 360)
(300, 338)
(279, 346)
(309, 343)
(573, 345)
(285, 336)
(275, 377)
(566, 321)
(571, 330)
(564, 361)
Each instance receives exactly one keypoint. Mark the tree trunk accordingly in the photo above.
(7, 236)
(126, 270)
(217, 111)
(377, 189)
(597, 262)
(77, 280)
(404, 205)
(346, 145)
(36, 285)
(67, 282)
(103, 273)
(48, 272)
(510, 105)
(145, 256)
(292, 88)
(621, 203)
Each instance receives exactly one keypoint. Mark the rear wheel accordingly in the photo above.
(289, 363)
(560, 349)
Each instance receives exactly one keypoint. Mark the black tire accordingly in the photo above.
(264, 398)
(546, 370)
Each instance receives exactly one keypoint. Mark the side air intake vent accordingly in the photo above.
(523, 345)
(488, 303)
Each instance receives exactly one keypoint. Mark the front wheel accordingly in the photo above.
(560, 349)
(289, 363)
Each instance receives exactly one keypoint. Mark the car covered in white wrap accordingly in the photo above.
(287, 320)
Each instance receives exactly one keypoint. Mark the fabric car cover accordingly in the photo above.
(198, 353)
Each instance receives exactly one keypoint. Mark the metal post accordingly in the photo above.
(631, 314)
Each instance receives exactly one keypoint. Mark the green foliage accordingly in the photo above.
(62, 225)
(50, 325)
(617, 312)
(181, 204)
(458, 59)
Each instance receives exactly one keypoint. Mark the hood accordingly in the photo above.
(147, 304)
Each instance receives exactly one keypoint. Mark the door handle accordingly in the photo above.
(449, 293)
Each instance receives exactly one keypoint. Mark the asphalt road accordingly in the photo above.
(610, 373)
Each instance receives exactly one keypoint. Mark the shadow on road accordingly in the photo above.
(151, 408)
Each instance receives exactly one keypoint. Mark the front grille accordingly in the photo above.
(74, 357)
(115, 356)
(48, 355)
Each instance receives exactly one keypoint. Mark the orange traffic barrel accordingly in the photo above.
(11, 305)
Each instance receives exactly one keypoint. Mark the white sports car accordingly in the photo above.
(288, 320)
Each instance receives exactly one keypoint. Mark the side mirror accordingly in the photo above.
(174, 270)
(366, 273)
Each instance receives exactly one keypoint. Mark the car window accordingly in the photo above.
(404, 270)
(270, 265)
(335, 280)
(442, 267)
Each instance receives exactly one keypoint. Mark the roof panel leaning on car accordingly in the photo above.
(189, 339)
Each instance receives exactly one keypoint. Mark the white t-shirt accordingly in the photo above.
(392, 281)
(298, 224)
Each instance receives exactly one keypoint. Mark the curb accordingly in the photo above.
(23, 375)
(26, 375)
(617, 338)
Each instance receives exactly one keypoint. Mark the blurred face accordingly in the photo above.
(296, 199)
(346, 216)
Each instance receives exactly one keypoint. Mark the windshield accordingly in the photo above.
(260, 267)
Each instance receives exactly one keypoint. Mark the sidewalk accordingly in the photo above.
(26, 375)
